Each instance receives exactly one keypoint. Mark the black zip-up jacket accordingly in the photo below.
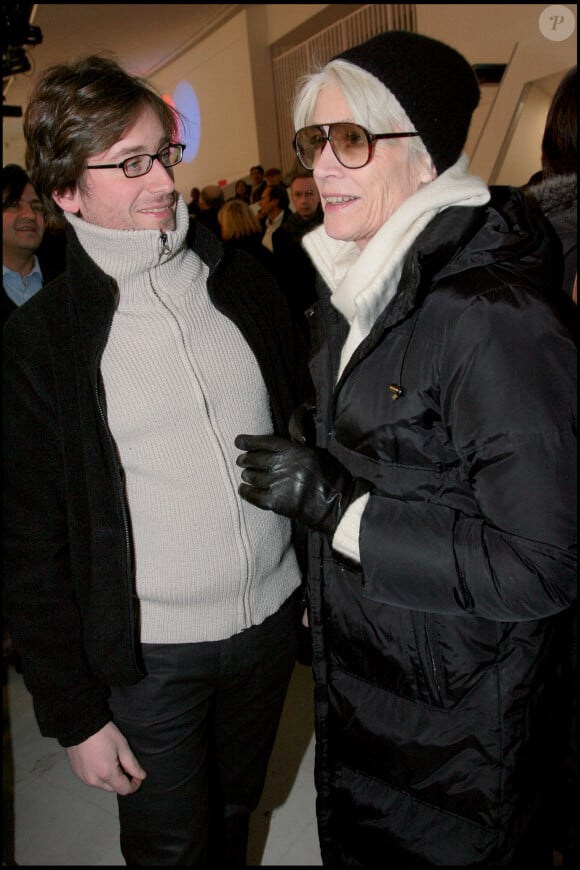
(68, 572)
(440, 662)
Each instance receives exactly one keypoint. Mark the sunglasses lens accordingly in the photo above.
(309, 143)
(350, 144)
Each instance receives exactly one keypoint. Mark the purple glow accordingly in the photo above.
(186, 103)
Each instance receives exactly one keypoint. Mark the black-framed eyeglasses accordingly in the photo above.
(352, 145)
(140, 164)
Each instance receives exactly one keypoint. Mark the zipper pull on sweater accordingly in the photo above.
(165, 249)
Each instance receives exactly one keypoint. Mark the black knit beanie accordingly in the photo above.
(434, 84)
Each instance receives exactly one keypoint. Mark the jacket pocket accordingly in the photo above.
(431, 677)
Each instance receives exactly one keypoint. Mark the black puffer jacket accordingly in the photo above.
(437, 661)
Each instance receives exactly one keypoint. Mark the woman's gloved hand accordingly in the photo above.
(303, 483)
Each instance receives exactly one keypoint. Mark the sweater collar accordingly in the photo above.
(138, 259)
(124, 254)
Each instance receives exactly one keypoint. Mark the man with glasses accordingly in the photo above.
(153, 609)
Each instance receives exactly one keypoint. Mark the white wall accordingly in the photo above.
(506, 130)
(283, 18)
(229, 71)
(219, 71)
(231, 74)
(534, 61)
(523, 148)
(482, 32)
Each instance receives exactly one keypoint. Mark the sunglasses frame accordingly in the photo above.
(327, 137)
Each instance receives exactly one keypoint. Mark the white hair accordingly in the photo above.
(371, 103)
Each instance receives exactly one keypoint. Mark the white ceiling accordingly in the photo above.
(143, 36)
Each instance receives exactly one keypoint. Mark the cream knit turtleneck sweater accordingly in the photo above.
(180, 384)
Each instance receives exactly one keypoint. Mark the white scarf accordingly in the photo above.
(362, 283)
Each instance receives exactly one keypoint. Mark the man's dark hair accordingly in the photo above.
(302, 173)
(280, 195)
(258, 167)
(14, 180)
(559, 144)
(80, 109)
(212, 197)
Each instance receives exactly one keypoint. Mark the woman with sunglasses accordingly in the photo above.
(435, 476)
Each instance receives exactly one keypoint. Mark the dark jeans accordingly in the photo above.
(203, 723)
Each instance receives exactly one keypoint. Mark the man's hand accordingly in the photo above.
(106, 761)
(299, 482)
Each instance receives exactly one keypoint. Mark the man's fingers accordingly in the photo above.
(130, 766)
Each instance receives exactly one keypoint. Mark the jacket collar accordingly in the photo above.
(508, 233)
(557, 192)
(364, 283)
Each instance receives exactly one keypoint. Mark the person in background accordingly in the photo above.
(557, 189)
(257, 183)
(274, 210)
(27, 263)
(211, 199)
(273, 177)
(241, 229)
(242, 191)
(193, 205)
(296, 270)
(436, 472)
(153, 609)
(32, 254)
(308, 212)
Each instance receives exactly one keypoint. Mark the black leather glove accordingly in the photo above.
(299, 482)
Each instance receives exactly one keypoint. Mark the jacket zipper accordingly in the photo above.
(207, 410)
(435, 663)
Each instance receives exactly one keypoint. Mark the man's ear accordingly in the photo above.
(68, 201)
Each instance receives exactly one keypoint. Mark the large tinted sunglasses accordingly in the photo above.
(352, 145)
